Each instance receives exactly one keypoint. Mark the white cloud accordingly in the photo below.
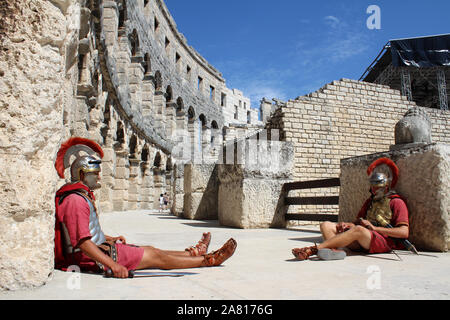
(332, 21)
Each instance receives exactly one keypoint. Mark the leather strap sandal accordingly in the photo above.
(218, 257)
(304, 253)
(201, 248)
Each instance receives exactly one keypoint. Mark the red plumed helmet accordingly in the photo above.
(73, 146)
(391, 165)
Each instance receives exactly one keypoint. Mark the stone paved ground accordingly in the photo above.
(262, 268)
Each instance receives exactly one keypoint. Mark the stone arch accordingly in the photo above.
(157, 160)
(169, 93)
(158, 81)
(120, 133)
(169, 165)
(132, 147)
(147, 64)
(123, 15)
(180, 106)
(202, 119)
(145, 154)
(133, 39)
(215, 135)
(191, 114)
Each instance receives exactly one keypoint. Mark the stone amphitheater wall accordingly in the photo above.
(94, 69)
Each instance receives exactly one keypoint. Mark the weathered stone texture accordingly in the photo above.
(250, 193)
(424, 181)
(200, 191)
(35, 84)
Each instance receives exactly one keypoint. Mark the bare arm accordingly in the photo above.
(401, 232)
(92, 251)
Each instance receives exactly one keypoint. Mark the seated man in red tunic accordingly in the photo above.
(79, 239)
(368, 232)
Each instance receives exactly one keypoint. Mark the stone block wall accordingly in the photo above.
(424, 182)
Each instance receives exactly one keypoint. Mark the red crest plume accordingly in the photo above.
(59, 163)
(394, 169)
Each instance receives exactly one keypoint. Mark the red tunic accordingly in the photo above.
(74, 213)
(380, 243)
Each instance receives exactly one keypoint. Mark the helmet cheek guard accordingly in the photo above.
(84, 164)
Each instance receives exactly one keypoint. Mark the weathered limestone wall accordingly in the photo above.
(424, 181)
(37, 76)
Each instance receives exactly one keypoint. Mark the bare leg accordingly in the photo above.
(170, 252)
(159, 259)
(328, 230)
(357, 234)
(198, 250)
(156, 258)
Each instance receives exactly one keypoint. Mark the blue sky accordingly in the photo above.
(288, 48)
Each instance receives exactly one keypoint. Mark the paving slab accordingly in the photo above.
(262, 268)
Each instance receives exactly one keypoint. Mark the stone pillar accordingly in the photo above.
(110, 22)
(148, 90)
(160, 102)
(250, 194)
(170, 118)
(146, 189)
(120, 193)
(424, 181)
(200, 191)
(134, 185)
(108, 173)
(158, 187)
(122, 62)
(266, 109)
(177, 198)
(135, 75)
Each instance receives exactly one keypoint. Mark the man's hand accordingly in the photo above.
(120, 238)
(343, 226)
(90, 249)
(115, 239)
(366, 224)
(119, 271)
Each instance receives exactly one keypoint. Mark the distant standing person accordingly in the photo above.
(161, 202)
(166, 200)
